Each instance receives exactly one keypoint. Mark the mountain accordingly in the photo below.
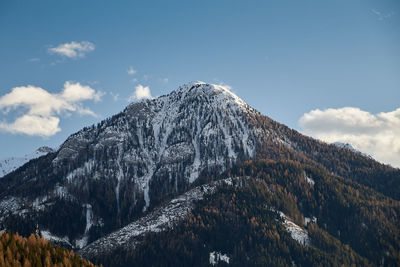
(8, 165)
(139, 176)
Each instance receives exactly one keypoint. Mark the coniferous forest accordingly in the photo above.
(34, 251)
(242, 221)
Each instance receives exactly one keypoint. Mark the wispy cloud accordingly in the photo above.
(115, 96)
(43, 109)
(72, 49)
(141, 92)
(131, 70)
(374, 134)
(222, 83)
(35, 59)
(382, 16)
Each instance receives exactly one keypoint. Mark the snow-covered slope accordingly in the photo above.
(160, 219)
(8, 165)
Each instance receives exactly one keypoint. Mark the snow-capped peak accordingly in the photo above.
(221, 93)
(351, 148)
(197, 127)
(10, 164)
(345, 145)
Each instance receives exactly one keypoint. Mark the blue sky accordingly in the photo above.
(299, 62)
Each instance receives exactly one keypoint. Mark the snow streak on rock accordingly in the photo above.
(55, 239)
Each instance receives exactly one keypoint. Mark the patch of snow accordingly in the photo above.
(296, 232)
(216, 257)
(80, 243)
(227, 138)
(53, 238)
(308, 179)
(120, 174)
(89, 217)
(146, 189)
(196, 162)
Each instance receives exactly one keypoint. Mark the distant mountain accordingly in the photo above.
(345, 145)
(350, 147)
(145, 171)
(8, 165)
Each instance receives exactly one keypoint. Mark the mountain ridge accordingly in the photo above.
(10, 164)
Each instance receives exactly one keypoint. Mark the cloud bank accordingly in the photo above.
(72, 49)
(141, 92)
(43, 109)
(374, 134)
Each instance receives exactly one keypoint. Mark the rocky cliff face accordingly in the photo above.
(163, 143)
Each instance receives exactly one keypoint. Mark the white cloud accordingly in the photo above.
(141, 92)
(165, 80)
(42, 109)
(131, 70)
(223, 84)
(374, 134)
(74, 92)
(72, 49)
(33, 125)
